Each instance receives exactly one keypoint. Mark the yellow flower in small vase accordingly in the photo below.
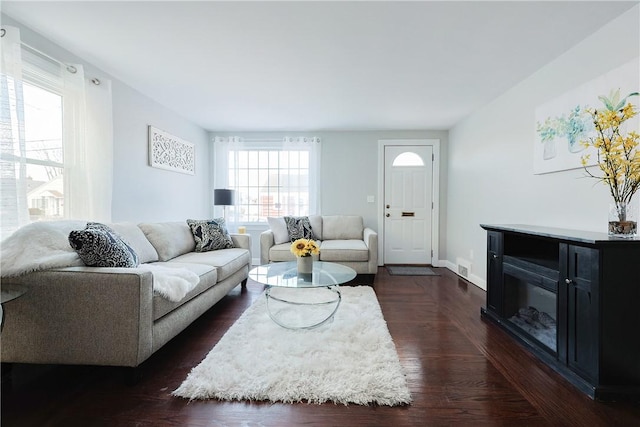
(305, 248)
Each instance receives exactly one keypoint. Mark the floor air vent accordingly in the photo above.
(464, 267)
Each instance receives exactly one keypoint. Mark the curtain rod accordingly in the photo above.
(262, 139)
(41, 53)
(3, 32)
(72, 69)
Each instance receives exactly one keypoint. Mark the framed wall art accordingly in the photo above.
(563, 122)
(169, 152)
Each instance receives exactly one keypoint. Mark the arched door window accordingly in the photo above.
(408, 158)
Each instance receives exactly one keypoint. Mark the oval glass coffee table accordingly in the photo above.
(280, 275)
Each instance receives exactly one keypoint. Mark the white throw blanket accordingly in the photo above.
(45, 245)
(172, 283)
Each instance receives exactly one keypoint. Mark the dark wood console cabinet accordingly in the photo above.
(573, 299)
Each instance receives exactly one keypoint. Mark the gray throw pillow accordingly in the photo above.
(299, 228)
(99, 246)
(210, 234)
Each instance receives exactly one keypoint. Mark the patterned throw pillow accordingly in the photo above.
(210, 235)
(99, 246)
(299, 228)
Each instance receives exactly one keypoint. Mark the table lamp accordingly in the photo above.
(223, 197)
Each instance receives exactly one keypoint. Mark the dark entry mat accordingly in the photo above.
(403, 270)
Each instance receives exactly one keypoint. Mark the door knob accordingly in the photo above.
(388, 215)
(568, 281)
(388, 206)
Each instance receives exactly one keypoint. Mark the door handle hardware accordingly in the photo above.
(388, 206)
(408, 214)
(388, 215)
(568, 281)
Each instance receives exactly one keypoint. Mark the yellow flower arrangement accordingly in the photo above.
(618, 155)
(305, 247)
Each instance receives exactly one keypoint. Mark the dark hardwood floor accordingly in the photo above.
(461, 371)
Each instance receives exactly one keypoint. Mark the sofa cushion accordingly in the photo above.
(316, 225)
(210, 235)
(344, 250)
(342, 227)
(208, 278)
(132, 234)
(99, 246)
(279, 228)
(299, 228)
(281, 252)
(169, 239)
(227, 261)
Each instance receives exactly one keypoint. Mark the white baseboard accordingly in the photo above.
(475, 279)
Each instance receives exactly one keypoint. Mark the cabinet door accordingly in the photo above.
(494, 272)
(582, 310)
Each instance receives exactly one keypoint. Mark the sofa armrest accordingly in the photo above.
(371, 240)
(266, 242)
(80, 315)
(241, 240)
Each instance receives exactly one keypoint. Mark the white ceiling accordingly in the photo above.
(247, 66)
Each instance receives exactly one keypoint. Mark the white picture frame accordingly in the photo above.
(171, 153)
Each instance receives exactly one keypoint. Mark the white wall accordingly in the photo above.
(490, 162)
(142, 193)
(349, 171)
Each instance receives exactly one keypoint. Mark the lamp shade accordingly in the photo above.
(223, 197)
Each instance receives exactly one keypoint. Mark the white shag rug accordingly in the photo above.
(352, 359)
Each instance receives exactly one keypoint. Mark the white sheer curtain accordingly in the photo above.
(87, 133)
(99, 140)
(222, 146)
(88, 146)
(13, 191)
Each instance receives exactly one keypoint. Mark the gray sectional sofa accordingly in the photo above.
(112, 316)
(344, 240)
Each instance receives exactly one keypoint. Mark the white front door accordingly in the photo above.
(408, 175)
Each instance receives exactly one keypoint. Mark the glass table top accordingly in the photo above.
(285, 274)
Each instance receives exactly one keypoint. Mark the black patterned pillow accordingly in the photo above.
(99, 246)
(299, 228)
(210, 234)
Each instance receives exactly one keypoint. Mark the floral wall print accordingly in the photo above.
(563, 122)
(170, 152)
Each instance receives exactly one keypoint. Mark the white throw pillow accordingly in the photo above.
(342, 227)
(316, 225)
(133, 235)
(279, 228)
(170, 239)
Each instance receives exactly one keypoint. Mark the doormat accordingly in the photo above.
(405, 270)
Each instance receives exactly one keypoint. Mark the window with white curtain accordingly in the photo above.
(270, 177)
(44, 154)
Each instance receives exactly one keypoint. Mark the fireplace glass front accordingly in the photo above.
(532, 309)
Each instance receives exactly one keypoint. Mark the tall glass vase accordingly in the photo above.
(623, 219)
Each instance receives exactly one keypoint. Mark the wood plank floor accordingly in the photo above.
(461, 371)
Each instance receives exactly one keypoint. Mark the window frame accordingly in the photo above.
(226, 168)
(41, 73)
